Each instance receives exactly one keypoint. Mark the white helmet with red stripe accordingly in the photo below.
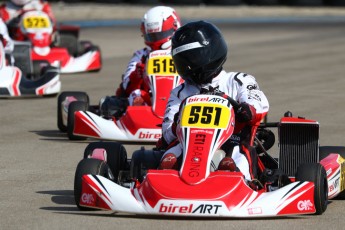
(158, 25)
(20, 2)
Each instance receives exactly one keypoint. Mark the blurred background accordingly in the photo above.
(220, 2)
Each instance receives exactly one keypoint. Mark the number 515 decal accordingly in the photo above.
(161, 65)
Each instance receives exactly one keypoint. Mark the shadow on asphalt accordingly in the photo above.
(66, 205)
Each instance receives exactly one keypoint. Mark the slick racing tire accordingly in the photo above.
(80, 96)
(116, 156)
(72, 108)
(315, 172)
(142, 160)
(88, 166)
(70, 42)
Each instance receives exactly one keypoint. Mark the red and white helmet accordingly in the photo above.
(158, 25)
(20, 2)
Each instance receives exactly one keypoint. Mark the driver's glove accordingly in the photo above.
(245, 113)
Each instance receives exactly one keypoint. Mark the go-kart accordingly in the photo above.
(16, 83)
(58, 46)
(106, 179)
(113, 119)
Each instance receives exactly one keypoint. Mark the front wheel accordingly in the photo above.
(116, 156)
(80, 96)
(88, 166)
(315, 172)
(72, 108)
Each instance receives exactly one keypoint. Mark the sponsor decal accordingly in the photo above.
(148, 135)
(199, 141)
(87, 198)
(195, 99)
(334, 185)
(303, 205)
(191, 208)
(253, 211)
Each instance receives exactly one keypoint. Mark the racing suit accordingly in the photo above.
(5, 38)
(239, 86)
(133, 84)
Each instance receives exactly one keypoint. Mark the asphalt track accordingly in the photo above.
(299, 65)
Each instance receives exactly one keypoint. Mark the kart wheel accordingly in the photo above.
(72, 108)
(80, 96)
(88, 166)
(142, 160)
(116, 156)
(70, 42)
(315, 173)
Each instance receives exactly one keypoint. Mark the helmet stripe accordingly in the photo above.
(185, 47)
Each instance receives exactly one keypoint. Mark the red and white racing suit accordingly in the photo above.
(133, 84)
(8, 10)
(5, 38)
(241, 87)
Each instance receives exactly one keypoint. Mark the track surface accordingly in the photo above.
(299, 66)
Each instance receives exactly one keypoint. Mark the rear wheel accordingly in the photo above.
(80, 96)
(70, 42)
(315, 172)
(116, 156)
(72, 108)
(88, 166)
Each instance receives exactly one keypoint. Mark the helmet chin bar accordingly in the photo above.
(166, 45)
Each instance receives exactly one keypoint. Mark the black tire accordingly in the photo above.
(315, 172)
(70, 42)
(88, 166)
(72, 108)
(142, 160)
(80, 96)
(116, 156)
(324, 151)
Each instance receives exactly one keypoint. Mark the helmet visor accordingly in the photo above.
(157, 36)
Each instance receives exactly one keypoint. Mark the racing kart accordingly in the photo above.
(58, 46)
(106, 179)
(14, 82)
(112, 118)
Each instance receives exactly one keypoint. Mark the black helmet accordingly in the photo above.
(199, 51)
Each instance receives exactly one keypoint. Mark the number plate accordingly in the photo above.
(201, 115)
(36, 22)
(161, 65)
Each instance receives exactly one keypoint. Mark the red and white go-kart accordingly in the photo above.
(131, 123)
(58, 46)
(310, 174)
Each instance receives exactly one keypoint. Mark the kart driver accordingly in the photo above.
(199, 52)
(12, 9)
(157, 26)
(7, 42)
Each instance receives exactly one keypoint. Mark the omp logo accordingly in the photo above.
(304, 205)
(87, 198)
